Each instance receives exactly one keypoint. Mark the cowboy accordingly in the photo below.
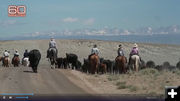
(94, 50)
(26, 54)
(52, 44)
(6, 53)
(120, 51)
(134, 51)
(16, 53)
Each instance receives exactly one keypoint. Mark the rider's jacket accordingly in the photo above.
(25, 54)
(134, 51)
(6, 54)
(120, 52)
(95, 51)
(52, 44)
(16, 54)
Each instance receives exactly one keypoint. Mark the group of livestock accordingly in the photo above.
(117, 66)
(33, 59)
(93, 64)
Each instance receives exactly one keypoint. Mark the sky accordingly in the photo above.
(57, 15)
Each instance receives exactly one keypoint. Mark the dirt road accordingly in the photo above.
(46, 81)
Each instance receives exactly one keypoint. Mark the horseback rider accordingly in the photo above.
(6, 53)
(94, 50)
(120, 51)
(26, 54)
(16, 53)
(134, 51)
(52, 44)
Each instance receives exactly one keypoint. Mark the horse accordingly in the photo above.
(25, 61)
(134, 62)
(1, 59)
(94, 61)
(6, 62)
(16, 61)
(52, 57)
(120, 64)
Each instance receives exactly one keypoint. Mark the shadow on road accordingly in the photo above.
(28, 71)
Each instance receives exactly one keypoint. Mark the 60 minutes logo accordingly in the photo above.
(16, 11)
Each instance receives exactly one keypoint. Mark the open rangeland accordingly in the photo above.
(67, 81)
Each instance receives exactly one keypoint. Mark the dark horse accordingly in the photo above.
(52, 57)
(120, 64)
(94, 61)
(16, 61)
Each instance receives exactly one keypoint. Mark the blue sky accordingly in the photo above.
(56, 15)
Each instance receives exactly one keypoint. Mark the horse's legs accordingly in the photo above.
(136, 64)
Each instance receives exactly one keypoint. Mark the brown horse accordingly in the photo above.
(120, 64)
(6, 62)
(16, 61)
(94, 60)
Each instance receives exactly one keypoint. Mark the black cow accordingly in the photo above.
(59, 62)
(86, 66)
(72, 59)
(62, 62)
(108, 63)
(34, 58)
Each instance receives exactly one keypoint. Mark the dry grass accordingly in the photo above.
(143, 81)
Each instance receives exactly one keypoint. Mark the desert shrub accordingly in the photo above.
(178, 65)
(149, 71)
(159, 67)
(176, 71)
(150, 64)
(152, 93)
(121, 85)
(132, 88)
(113, 77)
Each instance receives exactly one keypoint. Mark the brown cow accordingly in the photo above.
(102, 68)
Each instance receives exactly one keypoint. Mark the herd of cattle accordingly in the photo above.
(107, 66)
(104, 65)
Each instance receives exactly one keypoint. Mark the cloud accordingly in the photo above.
(35, 34)
(7, 23)
(89, 21)
(70, 19)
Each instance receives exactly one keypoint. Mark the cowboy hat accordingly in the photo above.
(135, 45)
